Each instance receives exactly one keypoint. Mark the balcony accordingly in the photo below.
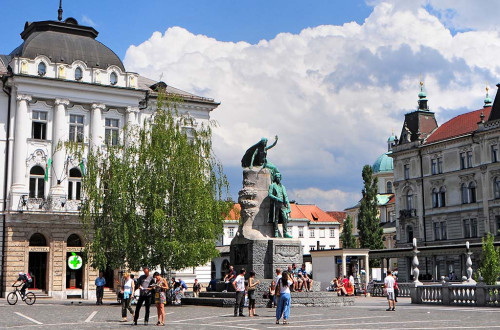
(50, 204)
(404, 214)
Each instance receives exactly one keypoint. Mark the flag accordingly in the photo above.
(47, 168)
(83, 168)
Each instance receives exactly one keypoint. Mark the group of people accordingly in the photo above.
(343, 285)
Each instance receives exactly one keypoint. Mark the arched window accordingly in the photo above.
(435, 198)
(113, 78)
(409, 234)
(38, 240)
(409, 200)
(472, 192)
(74, 184)
(389, 187)
(442, 197)
(74, 241)
(42, 69)
(78, 73)
(465, 194)
(496, 187)
(37, 184)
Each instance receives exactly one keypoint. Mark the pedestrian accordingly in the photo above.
(396, 288)
(127, 289)
(100, 282)
(161, 288)
(145, 283)
(252, 285)
(283, 309)
(389, 286)
(196, 288)
(229, 278)
(239, 287)
(272, 295)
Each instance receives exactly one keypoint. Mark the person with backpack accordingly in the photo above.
(26, 280)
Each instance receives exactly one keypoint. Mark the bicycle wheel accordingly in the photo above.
(12, 298)
(30, 298)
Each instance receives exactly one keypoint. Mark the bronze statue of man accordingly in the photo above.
(280, 206)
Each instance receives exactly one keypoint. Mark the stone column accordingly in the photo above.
(131, 118)
(59, 134)
(344, 268)
(96, 126)
(22, 128)
(367, 270)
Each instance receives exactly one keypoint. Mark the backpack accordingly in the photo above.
(29, 279)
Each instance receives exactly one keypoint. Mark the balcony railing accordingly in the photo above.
(403, 214)
(51, 204)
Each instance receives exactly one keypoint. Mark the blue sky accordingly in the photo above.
(333, 79)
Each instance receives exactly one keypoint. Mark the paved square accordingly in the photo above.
(368, 313)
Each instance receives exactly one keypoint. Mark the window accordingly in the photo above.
(231, 231)
(322, 233)
(409, 234)
(494, 153)
(497, 220)
(472, 192)
(312, 247)
(440, 165)
(42, 69)
(301, 232)
(311, 233)
(465, 194)
(332, 233)
(37, 184)
(113, 78)
(442, 197)
(76, 128)
(462, 160)
(409, 200)
(39, 125)
(75, 184)
(321, 247)
(112, 131)
(78, 73)
(470, 228)
(469, 159)
(332, 247)
(407, 171)
(443, 230)
(389, 187)
(435, 198)
(391, 216)
(439, 230)
(433, 166)
(496, 187)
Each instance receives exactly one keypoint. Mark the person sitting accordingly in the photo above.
(341, 291)
(272, 295)
(349, 288)
(307, 281)
(229, 278)
(294, 279)
(212, 285)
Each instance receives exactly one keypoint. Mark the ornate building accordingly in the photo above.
(61, 84)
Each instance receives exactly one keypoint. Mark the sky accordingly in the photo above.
(333, 79)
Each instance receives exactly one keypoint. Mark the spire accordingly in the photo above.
(422, 98)
(59, 11)
(487, 99)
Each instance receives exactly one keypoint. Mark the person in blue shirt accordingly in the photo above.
(100, 282)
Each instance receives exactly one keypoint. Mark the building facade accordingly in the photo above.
(59, 85)
(447, 186)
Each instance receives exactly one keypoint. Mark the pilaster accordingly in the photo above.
(59, 133)
(96, 125)
(21, 134)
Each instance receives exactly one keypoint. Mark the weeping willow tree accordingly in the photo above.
(158, 199)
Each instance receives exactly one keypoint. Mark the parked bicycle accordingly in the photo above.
(12, 297)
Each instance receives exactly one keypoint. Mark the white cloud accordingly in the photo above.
(333, 94)
(88, 21)
(327, 200)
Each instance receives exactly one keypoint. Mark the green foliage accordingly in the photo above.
(157, 200)
(347, 238)
(370, 232)
(490, 261)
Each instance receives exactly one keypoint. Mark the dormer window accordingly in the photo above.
(113, 78)
(42, 69)
(78, 73)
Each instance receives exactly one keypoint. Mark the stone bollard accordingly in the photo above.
(468, 263)
(481, 294)
(445, 293)
(415, 271)
(415, 294)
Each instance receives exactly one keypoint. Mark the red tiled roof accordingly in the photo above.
(392, 200)
(460, 125)
(235, 213)
(311, 212)
(340, 216)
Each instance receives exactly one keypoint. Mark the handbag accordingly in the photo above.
(278, 289)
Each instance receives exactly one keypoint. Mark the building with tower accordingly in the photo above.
(61, 84)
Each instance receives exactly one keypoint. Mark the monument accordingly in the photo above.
(258, 244)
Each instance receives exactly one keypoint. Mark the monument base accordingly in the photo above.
(265, 255)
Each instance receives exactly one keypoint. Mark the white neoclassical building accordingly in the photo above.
(61, 84)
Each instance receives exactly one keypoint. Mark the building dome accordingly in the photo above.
(65, 42)
(383, 163)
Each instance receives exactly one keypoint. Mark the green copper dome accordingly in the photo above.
(383, 163)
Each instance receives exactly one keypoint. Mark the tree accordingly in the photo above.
(156, 200)
(347, 238)
(370, 232)
(490, 261)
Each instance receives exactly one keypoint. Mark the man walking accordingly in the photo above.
(100, 282)
(239, 287)
(389, 286)
(145, 283)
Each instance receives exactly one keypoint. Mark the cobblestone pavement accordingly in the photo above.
(368, 313)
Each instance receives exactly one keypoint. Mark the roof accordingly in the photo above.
(338, 216)
(234, 213)
(65, 42)
(382, 199)
(460, 125)
(310, 212)
(4, 63)
(383, 163)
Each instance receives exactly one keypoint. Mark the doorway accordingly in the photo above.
(37, 267)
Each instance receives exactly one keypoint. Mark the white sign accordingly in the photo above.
(75, 261)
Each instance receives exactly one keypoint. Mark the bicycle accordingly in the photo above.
(12, 297)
